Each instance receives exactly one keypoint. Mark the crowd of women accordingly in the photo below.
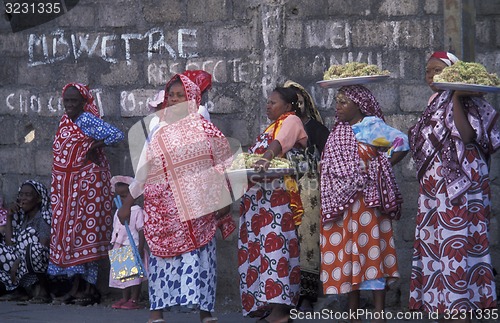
(328, 230)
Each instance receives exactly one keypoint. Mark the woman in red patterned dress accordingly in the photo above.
(451, 145)
(80, 194)
(268, 251)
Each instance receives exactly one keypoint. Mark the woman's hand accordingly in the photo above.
(261, 165)
(92, 152)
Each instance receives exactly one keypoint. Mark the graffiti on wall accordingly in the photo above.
(60, 46)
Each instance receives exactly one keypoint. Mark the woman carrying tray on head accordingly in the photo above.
(359, 198)
(451, 144)
(268, 250)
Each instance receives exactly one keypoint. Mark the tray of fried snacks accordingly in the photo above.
(351, 74)
(467, 76)
(242, 165)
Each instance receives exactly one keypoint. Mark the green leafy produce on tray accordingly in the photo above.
(353, 69)
(246, 161)
(467, 72)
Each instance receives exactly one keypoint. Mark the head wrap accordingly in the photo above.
(200, 78)
(193, 93)
(308, 100)
(341, 176)
(364, 99)
(45, 207)
(448, 58)
(120, 179)
(87, 96)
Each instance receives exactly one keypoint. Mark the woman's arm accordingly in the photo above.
(273, 150)
(142, 243)
(397, 156)
(466, 131)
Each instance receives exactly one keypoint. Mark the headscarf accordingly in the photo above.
(310, 107)
(85, 92)
(341, 176)
(201, 78)
(193, 93)
(45, 207)
(448, 58)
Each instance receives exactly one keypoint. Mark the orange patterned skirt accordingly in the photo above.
(357, 248)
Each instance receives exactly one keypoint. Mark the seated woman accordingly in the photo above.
(24, 253)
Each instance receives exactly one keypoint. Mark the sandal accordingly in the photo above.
(157, 321)
(130, 305)
(118, 305)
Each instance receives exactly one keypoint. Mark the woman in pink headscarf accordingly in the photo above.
(80, 194)
(182, 181)
(451, 145)
(359, 198)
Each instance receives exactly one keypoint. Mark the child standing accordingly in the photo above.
(359, 198)
(131, 289)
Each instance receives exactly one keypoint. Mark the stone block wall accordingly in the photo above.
(126, 50)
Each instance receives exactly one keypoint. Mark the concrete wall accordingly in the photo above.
(127, 49)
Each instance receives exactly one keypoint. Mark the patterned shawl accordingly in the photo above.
(436, 132)
(341, 176)
(186, 181)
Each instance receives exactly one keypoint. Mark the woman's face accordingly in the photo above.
(347, 110)
(73, 103)
(176, 94)
(434, 67)
(276, 106)
(28, 198)
(302, 103)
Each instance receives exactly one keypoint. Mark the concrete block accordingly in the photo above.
(414, 97)
(155, 11)
(326, 34)
(294, 34)
(43, 162)
(403, 122)
(484, 30)
(487, 8)
(399, 7)
(9, 71)
(13, 45)
(433, 6)
(18, 160)
(354, 8)
(68, 73)
(301, 10)
(207, 10)
(234, 37)
(133, 103)
(118, 13)
(33, 75)
(79, 16)
(121, 74)
(8, 130)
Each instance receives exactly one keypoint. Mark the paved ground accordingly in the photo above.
(21, 312)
